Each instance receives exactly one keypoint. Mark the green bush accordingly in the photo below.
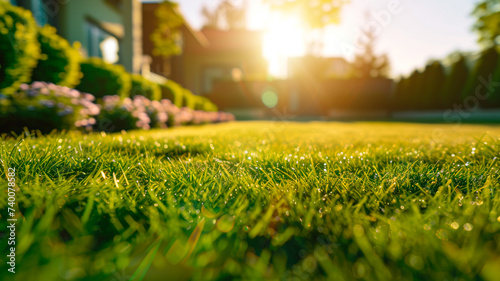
(188, 99)
(182, 97)
(143, 87)
(173, 92)
(119, 114)
(19, 47)
(103, 79)
(204, 104)
(59, 62)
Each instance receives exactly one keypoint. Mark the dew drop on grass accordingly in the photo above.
(468, 227)
(455, 225)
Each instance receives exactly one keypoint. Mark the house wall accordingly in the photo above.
(196, 68)
(132, 41)
(122, 21)
(74, 15)
(219, 50)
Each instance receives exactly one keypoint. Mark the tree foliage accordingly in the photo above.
(432, 85)
(400, 97)
(59, 62)
(414, 89)
(485, 66)
(19, 47)
(455, 82)
(225, 16)
(167, 36)
(367, 64)
(315, 14)
(488, 22)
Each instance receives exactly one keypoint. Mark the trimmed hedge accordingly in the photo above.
(204, 104)
(173, 92)
(59, 62)
(19, 47)
(188, 99)
(103, 79)
(143, 87)
(182, 97)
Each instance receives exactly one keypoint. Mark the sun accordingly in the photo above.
(284, 37)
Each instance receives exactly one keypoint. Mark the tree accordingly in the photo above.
(485, 67)
(432, 85)
(455, 82)
(225, 16)
(414, 89)
(400, 99)
(315, 14)
(366, 63)
(167, 36)
(488, 22)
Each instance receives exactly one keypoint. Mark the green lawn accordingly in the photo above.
(257, 200)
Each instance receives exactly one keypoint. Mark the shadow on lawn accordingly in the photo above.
(176, 151)
(180, 153)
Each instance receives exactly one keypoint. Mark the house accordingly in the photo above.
(110, 29)
(207, 55)
(319, 67)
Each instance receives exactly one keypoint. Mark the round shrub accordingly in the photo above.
(119, 114)
(188, 99)
(143, 87)
(59, 62)
(19, 47)
(204, 104)
(103, 79)
(158, 111)
(173, 92)
(45, 107)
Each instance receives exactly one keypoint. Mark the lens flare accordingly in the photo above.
(270, 98)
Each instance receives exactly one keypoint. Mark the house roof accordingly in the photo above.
(229, 40)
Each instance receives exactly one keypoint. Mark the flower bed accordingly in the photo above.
(45, 107)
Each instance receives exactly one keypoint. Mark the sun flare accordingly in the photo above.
(284, 37)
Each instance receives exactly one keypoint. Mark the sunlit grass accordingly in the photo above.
(311, 201)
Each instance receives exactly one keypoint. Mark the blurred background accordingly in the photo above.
(433, 61)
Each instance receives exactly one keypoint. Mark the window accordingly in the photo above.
(222, 72)
(101, 43)
(44, 12)
(109, 48)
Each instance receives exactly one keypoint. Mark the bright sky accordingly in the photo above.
(422, 30)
